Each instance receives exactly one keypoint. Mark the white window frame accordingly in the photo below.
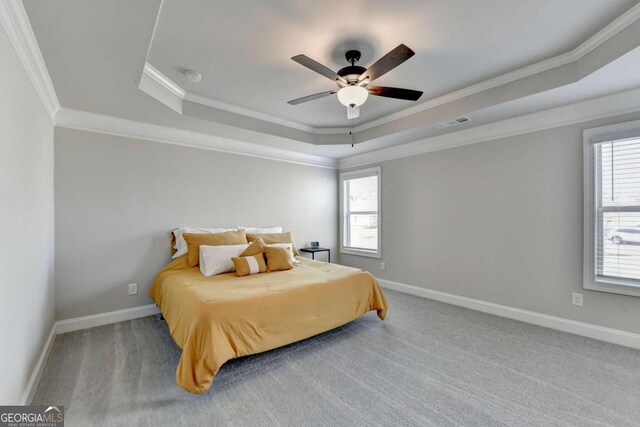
(590, 138)
(351, 175)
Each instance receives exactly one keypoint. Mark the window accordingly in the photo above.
(360, 212)
(612, 216)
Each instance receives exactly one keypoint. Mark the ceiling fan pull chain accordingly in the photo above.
(351, 130)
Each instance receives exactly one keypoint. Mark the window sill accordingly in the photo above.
(361, 253)
(613, 287)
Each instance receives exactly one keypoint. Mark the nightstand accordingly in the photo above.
(313, 252)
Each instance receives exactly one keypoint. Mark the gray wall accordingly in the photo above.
(26, 226)
(499, 221)
(118, 198)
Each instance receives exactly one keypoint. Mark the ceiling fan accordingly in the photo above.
(353, 81)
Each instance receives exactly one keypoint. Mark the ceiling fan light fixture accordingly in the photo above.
(352, 96)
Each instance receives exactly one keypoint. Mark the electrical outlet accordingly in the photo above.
(383, 266)
(576, 299)
(133, 288)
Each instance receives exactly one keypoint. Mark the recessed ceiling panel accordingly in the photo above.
(243, 49)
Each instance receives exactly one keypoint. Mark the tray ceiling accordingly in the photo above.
(243, 49)
(95, 53)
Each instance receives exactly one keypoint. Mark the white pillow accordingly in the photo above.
(288, 246)
(181, 244)
(217, 259)
(261, 230)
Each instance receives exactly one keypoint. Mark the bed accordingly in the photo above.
(218, 318)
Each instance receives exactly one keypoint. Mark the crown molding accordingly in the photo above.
(16, 24)
(584, 111)
(202, 100)
(175, 90)
(615, 27)
(163, 80)
(82, 120)
(474, 89)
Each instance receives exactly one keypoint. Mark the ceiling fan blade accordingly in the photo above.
(387, 63)
(394, 92)
(311, 97)
(318, 68)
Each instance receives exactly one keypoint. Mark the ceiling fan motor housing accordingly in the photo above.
(352, 72)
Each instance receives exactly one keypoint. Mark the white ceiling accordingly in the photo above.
(617, 76)
(243, 48)
(95, 51)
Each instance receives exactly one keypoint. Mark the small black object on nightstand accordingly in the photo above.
(313, 252)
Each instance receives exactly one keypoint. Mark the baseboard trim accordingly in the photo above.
(86, 322)
(589, 330)
(76, 324)
(36, 374)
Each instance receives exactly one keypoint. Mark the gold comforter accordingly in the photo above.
(214, 319)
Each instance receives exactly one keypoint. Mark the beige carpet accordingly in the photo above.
(428, 364)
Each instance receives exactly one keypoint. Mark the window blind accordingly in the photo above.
(617, 205)
(360, 212)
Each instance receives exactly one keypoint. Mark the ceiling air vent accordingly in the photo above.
(453, 122)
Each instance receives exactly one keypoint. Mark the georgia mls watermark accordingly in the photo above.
(32, 416)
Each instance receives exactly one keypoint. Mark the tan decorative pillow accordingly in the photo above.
(289, 248)
(277, 258)
(214, 239)
(274, 238)
(255, 248)
(253, 264)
